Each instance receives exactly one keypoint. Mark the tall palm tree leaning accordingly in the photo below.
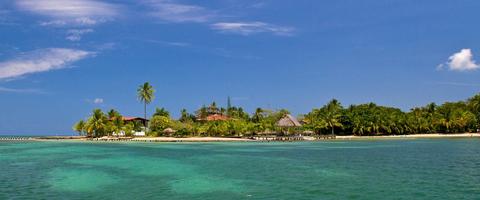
(145, 95)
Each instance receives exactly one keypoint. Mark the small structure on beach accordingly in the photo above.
(169, 131)
(288, 121)
(289, 124)
(136, 120)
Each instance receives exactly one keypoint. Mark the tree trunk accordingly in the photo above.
(145, 117)
(333, 130)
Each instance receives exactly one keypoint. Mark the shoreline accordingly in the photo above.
(228, 139)
(413, 136)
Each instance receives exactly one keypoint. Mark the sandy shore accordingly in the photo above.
(226, 139)
(414, 136)
(190, 139)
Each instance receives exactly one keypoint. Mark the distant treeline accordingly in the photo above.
(333, 118)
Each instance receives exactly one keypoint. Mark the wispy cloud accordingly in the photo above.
(170, 11)
(174, 12)
(249, 28)
(14, 90)
(70, 12)
(98, 101)
(168, 43)
(76, 34)
(6, 18)
(259, 4)
(460, 61)
(460, 84)
(40, 61)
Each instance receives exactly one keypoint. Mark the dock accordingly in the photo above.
(15, 138)
(294, 138)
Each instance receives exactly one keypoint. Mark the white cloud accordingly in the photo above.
(13, 90)
(461, 61)
(168, 43)
(170, 11)
(249, 28)
(98, 101)
(76, 34)
(40, 61)
(70, 12)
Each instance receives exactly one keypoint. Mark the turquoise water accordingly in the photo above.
(387, 169)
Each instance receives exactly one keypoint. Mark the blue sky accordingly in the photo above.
(60, 59)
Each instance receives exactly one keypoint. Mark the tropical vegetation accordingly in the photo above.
(333, 118)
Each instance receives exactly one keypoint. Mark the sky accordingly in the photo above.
(60, 59)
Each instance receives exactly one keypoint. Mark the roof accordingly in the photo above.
(125, 118)
(215, 117)
(169, 130)
(288, 121)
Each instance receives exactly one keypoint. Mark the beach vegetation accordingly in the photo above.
(368, 119)
(145, 94)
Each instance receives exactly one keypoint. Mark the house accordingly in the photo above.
(135, 119)
(139, 120)
(215, 117)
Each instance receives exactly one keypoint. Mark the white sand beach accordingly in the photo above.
(189, 139)
(413, 136)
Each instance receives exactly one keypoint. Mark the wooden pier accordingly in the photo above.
(294, 138)
(15, 138)
(111, 139)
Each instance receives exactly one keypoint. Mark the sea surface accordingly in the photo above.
(381, 169)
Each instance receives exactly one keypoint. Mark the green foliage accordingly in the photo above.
(97, 124)
(128, 129)
(158, 124)
(327, 117)
(145, 94)
(161, 112)
(186, 117)
(79, 127)
(363, 119)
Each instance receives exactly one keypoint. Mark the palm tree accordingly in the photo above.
(258, 115)
(97, 123)
(79, 127)
(332, 114)
(161, 112)
(184, 115)
(213, 109)
(113, 113)
(145, 95)
(474, 104)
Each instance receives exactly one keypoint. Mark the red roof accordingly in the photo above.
(216, 117)
(125, 118)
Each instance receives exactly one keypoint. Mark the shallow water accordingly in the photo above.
(386, 169)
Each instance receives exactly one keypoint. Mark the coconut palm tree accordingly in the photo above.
(258, 115)
(161, 112)
(79, 127)
(474, 104)
(97, 123)
(332, 114)
(145, 93)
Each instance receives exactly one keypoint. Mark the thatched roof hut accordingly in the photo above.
(169, 130)
(288, 121)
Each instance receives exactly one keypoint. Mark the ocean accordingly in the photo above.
(365, 169)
